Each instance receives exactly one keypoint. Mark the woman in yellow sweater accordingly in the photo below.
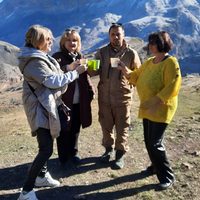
(158, 82)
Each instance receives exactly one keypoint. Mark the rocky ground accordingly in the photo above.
(92, 179)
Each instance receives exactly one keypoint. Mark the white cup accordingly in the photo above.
(114, 62)
(83, 61)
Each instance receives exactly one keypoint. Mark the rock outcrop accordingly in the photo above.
(9, 71)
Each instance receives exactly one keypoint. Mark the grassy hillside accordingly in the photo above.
(94, 180)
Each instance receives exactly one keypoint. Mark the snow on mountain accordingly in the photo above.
(92, 19)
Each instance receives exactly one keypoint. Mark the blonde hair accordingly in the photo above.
(36, 36)
(65, 37)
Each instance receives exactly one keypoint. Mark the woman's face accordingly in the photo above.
(153, 47)
(71, 44)
(47, 45)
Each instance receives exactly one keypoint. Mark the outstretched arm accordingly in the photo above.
(121, 66)
(54, 80)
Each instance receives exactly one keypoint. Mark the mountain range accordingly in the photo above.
(92, 19)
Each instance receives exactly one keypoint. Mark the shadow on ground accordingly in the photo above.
(12, 179)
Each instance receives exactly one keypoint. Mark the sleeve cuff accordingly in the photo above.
(67, 68)
(76, 72)
(162, 98)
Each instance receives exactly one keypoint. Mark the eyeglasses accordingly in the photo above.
(153, 43)
(49, 38)
(69, 29)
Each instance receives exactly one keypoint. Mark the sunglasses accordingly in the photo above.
(69, 29)
(153, 43)
(120, 24)
(49, 38)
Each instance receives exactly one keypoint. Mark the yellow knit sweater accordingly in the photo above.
(162, 80)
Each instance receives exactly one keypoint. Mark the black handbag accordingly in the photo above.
(64, 114)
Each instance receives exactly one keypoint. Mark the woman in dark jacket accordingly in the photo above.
(78, 98)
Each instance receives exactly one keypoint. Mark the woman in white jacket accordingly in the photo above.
(43, 86)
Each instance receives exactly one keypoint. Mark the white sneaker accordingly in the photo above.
(46, 181)
(29, 196)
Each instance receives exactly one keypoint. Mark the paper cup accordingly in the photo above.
(114, 62)
(83, 61)
(93, 64)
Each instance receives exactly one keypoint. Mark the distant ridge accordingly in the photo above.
(92, 19)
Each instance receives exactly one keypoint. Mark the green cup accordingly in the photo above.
(93, 64)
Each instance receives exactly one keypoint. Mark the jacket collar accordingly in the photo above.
(116, 53)
(73, 56)
(124, 46)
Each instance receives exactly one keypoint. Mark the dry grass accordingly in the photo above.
(94, 180)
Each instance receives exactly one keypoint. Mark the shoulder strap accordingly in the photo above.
(31, 88)
(33, 91)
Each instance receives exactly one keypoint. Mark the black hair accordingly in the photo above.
(116, 25)
(163, 41)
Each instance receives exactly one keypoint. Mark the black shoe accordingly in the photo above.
(149, 171)
(164, 186)
(63, 166)
(107, 155)
(75, 159)
(119, 160)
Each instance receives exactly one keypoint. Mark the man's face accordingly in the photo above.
(116, 36)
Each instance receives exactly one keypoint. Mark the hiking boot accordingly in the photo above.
(47, 181)
(119, 159)
(108, 154)
(29, 196)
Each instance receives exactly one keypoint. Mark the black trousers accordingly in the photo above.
(39, 165)
(153, 135)
(67, 142)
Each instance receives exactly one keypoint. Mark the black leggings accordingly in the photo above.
(39, 165)
(153, 135)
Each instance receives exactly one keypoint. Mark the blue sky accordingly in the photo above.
(1, 1)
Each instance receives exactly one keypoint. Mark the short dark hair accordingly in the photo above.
(163, 41)
(116, 25)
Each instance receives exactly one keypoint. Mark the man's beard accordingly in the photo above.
(116, 43)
